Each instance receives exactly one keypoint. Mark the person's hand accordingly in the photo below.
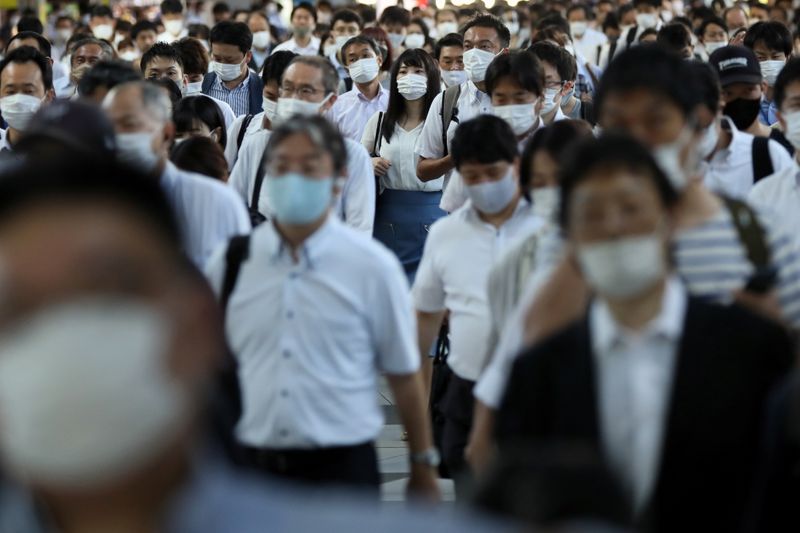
(738, 40)
(422, 486)
(766, 305)
(586, 97)
(380, 166)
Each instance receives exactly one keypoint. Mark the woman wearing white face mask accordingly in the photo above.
(406, 204)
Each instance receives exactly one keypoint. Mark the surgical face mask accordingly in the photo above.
(742, 112)
(646, 20)
(550, 96)
(136, 150)
(297, 199)
(103, 31)
(454, 77)
(227, 72)
(713, 46)
(173, 27)
(364, 70)
(578, 28)
(194, 88)
(397, 40)
(261, 39)
(792, 131)
(770, 70)
(546, 201)
(415, 40)
(491, 197)
(669, 159)
(709, 141)
(412, 86)
(521, 117)
(63, 35)
(666, 15)
(300, 31)
(512, 26)
(446, 28)
(476, 62)
(622, 269)
(341, 40)
(330, 50)
(85, 394)
(18, 109)
(129, 56)
(270, 108)
(288, 107)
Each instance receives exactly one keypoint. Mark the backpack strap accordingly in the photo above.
(762, 161)
(256, 217)
(376, 146)
(751, 233)
(242, 131)
(238, 252)
(631, 36)
(449, 111)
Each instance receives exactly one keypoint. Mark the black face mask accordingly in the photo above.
(742, 112)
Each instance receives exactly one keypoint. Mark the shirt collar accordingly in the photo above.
(4, 144)
(243, 84)
(475, 95)
(311, 249)
(472, 214)
(381, 94)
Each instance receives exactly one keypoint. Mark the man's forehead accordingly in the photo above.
(89, 50)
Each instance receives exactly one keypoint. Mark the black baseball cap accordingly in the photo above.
(735, 64)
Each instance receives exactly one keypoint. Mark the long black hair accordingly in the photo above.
(201, 108)
(397, 104)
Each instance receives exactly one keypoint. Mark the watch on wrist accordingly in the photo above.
(429, 457)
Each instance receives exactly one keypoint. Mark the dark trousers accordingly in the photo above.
(458, 411)
(354, 467)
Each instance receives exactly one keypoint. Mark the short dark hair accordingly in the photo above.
(201, 108)
(610, 22)
(580, 7)
(330, 78)
(359, 39)
(44, 45)
(275, 65)
(171, 7)
(489, 21)
(101, 11)
(709, 21)
(554, 139)
(62, 18)
(707, 84)
(395, 15)
(322, 133)
(611, 151)
(453, 39)
(306, 6)
(198, 31)
(553, 20)
(143, 25)
(348, 16)
(201, 155)
(522, 66)
(426, 31)
(790, 73)
(28, 54)
(106, 74)
(235, 33)
(563, 61)
(653, 3)
(674, 36)
(484, 139)
(32, 24)
(774, 35)
(161, 50)
(647, 33)
(220, 7)
(194, 56)
(108, 50)
(122, 26)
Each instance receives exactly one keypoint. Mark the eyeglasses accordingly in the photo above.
(302, 92)
(554, 84)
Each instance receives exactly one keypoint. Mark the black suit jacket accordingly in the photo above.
(728, 361)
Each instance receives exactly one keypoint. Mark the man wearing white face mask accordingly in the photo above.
(458, 256)
(308, 88)
(174, 23)
(345, 25)
(771, 42)
(303, 41)
(446, 22)
(26, 83)
(449, 54)
(101, 22)
(209, 211)
(353, 109)
(585, 39)
(560, 71)
(192, 58)
(258, 23)
(231, 79)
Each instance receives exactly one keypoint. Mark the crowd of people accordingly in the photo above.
(565, 236)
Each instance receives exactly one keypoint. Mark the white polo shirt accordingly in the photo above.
(779, 195)
(351, 111)
(589, 43)
(232, 149)
(356, 203)
(454, 273)
(291, 46)
(312, 337)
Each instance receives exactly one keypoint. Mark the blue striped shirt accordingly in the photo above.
(238, 97)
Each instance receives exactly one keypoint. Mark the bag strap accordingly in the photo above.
(376, 146)
(442, 345)
(449, 111)
(257, 183)
(762, 160)
(238, 252)
(242, 131)
(592, 75)
(751, 233)
(631, 36)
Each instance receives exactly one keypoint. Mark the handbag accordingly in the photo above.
(440, 378)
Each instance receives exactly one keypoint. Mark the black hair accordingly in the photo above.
(654, 69)
(220, 7)
(647, 33)
(348, 16)
(173, 91)
(193, 54)
(674, 36)
(653, 3)
(702, 12)
(611, 151)
(489, 21)
(467, 12)
(445, 10)
(161, 50)
(323, 134)
(452, 39)
(707, 85)
(610, 22)
(122, 26)
(198, 31)
(485, 139)
(275, 65)
(62, 18)
(171, 7)
(426, 31)
(28, 54)
(563, 61)
(397, 104)
(235, 33)
(774, 35)
(101, 11)
(553, 20)
(583, 7)
(306, 6)
(367, 14)
(555, 140)
(106, 74)
(201, 155)
(359, 39)
(522, 66)
(395, 15)
(708, 22)
(143, 25)
(44, 45)
(790, 73)
(32, 24)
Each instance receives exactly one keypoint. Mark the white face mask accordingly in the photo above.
(454, 77)
(85, 394)
(63, 35)
(792, 132)
(270, 108)
(550, 100)
(136, 150)
(578, 28)
(512, 26)
(364, 70)
(341, 40)
(476, 62)
(668, 157)
(103, 31)
(412, 86)
(491, 197)
(227, 72)
(709, 141)
(129, 56)
(261, 39)
(289, 107)
(546, 201)
(521, 117)
(666, 15)
(446, 28)
(18, 109)
(415, 40)
(173, 27)
(770, 70)
(622, 269)
(712, 47)
(397, 40)
(330, 50)
(194, 88)
(646, 20)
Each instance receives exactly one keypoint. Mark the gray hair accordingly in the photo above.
(108, 50)
(154, 98)
(324, 135)
(330, 78)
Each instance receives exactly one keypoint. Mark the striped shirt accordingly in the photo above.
(238, 97)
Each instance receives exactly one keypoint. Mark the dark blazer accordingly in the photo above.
(255, 89)
(728, 361)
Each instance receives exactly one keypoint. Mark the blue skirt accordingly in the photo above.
(402, 222)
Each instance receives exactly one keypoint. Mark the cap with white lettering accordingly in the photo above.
(735, 64)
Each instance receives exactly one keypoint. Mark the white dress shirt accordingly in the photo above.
(311, 337)
(730, 171)
(224, 107)
(168, 38)
(588, 44)
(352, 110)
(779, 195)
(634, 382)
(454, 272)
(208, 212)
(402, 174)
(291, 46)
(356, 203)
(232, 149)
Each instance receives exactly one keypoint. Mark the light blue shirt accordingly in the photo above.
(352, 111)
